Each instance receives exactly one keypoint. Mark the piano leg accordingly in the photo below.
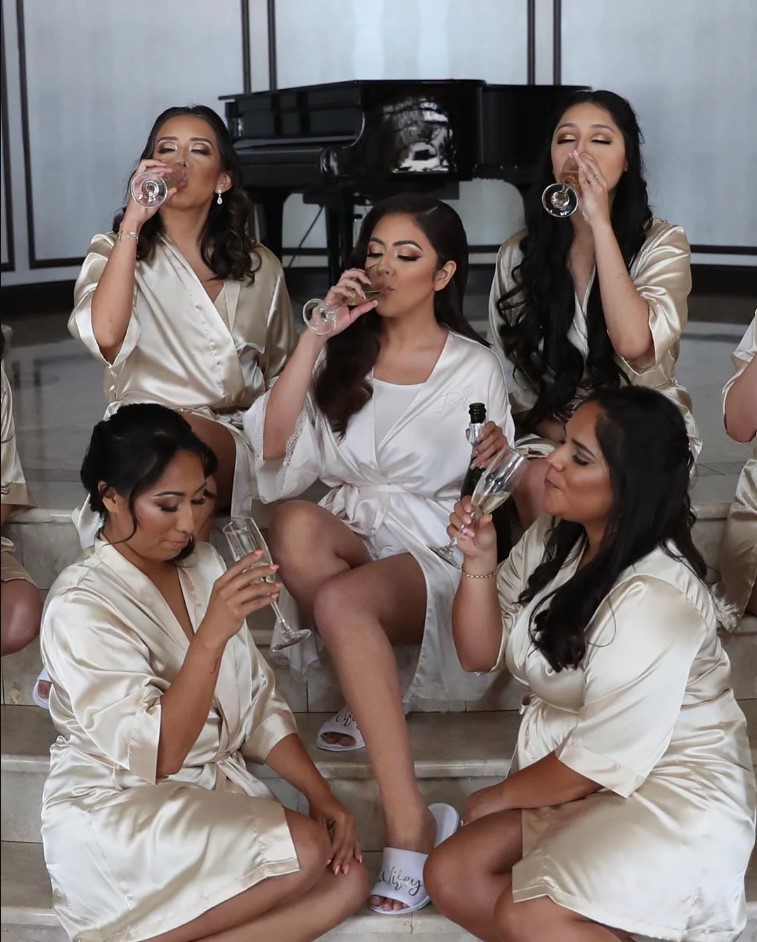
(340, 217)
(271, 204)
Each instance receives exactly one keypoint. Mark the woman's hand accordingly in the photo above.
(235, 595)
(476, 540)
(594, 203)
(135, 216)
(332, 815)
(485, 801)
(350, 286)
(490, 441)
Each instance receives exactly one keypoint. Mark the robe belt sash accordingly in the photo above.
(364, 505)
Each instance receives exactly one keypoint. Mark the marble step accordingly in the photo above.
(455, 754)
(26, 912)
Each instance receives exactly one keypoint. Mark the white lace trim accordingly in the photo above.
(270, 485)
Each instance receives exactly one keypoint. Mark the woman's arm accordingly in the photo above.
(741, 405)
(544, 784)
(626, 311)
(113, 298)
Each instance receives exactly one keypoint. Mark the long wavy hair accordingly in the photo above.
(225, 243)
(130, 451)
(644, 441)
(538, 312)
(342, 386)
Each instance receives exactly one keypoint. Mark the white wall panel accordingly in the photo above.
(688, 67)
(4, 220)
(97, 75)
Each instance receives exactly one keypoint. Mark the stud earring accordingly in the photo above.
(220, 198)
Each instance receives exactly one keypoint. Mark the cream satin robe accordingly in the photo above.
(13, 489)
(398, 496)
(738, 549)
(649, 714)
(184, 351)
(661, 273)
(131, 856)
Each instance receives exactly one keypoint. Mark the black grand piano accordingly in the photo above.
(350, 143)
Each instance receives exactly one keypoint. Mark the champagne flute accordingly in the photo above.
(243, 536)
(150, 188)
(561, 199)
(493, 488)
(320, 317)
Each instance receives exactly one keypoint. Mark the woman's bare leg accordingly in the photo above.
(296, 906)
(529, 491)
(221, 486)
(535, 920)
(21, 613)
(360, 615)
(311, 546)
(466, 875)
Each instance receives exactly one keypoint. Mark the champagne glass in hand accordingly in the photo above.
(493, 488)
(561, 199)
(150, 188)
(321, 316)
(243, 536)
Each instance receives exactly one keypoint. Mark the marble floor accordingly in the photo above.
(57, 388)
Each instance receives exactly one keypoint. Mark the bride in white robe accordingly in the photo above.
(380, 418)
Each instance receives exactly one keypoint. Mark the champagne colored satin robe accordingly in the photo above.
(661, 273)
(738, 549)
(13, 489)
(131, 856)
(661, 849)
(184, 351)
(398, 496)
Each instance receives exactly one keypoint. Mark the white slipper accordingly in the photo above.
(37, 697)
(345, 724)
(401, 876)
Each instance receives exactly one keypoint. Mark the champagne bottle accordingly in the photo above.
(501, 518)
(477, 413)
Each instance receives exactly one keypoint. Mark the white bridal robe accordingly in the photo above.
(397, 494)
(184, 351)
(13, 489)
(130, 855)
(738, 548)
(661, 273)
(661, 849)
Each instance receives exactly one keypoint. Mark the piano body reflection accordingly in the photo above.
(349, 143)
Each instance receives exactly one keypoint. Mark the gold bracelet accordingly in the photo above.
(473, 575)
(132, 235)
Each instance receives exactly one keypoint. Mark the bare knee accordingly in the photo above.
(21, 615)
(442, 877)
(311, 842)
(508, 919)
(353, 889)
(334, 607)
(289, 532)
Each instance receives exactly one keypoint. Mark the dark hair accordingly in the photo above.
(538, 312)
(341, 387)
(644, 441)
(225, 243)
(131, 450)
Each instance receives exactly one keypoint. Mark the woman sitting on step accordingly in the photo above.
(21, 603)
(182, 306)
(738, 548)
(378, 411)
(592, 300)
(630, 806)
(153, 828)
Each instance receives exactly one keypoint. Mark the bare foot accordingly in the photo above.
(420, 837)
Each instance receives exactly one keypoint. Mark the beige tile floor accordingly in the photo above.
(58, 397)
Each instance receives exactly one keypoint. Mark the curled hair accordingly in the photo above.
(537, 314)
(644, 441)
(132, 449)
(225, 243)
(341, 386)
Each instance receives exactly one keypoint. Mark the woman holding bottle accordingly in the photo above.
(378, 411)
(182, 306)
(597, 299)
